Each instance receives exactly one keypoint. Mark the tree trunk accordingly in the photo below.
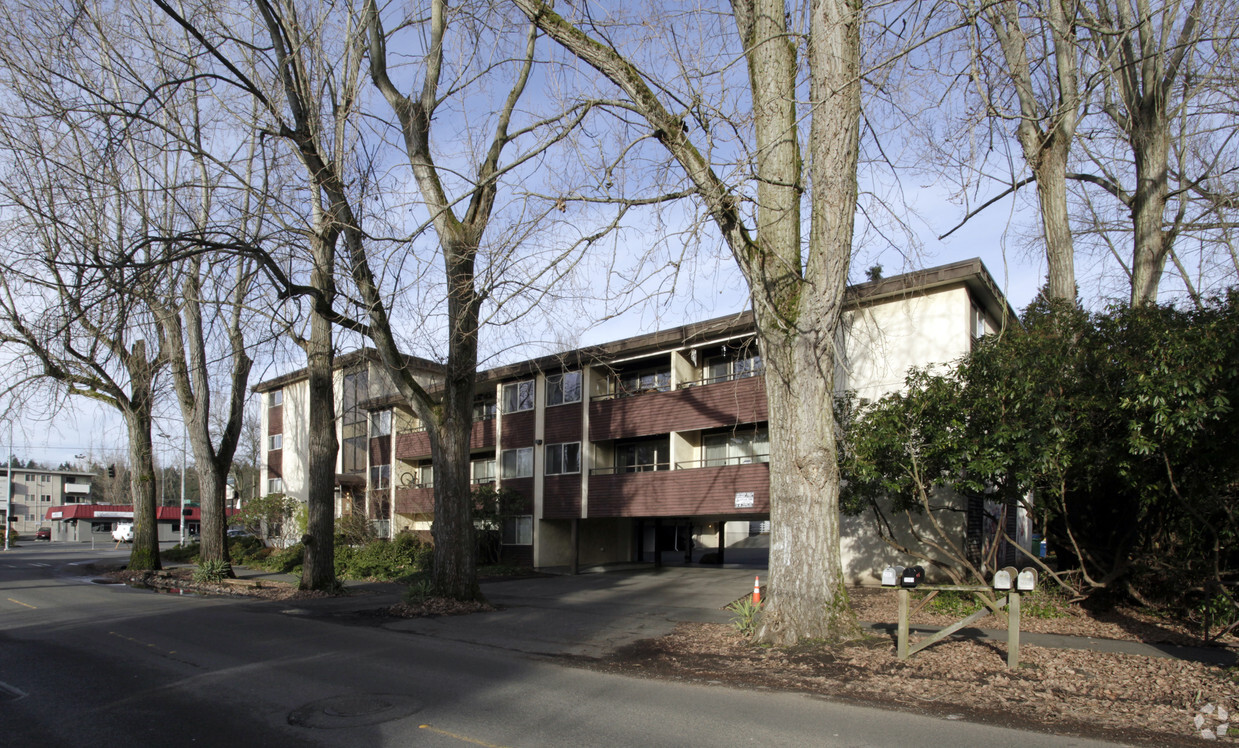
(1055, 220)
(1150, 143)
(145, 552)
(318, 571)
(212, 486)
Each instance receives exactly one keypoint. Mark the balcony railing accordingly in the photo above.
(721, 462)
(640, 468)
(761, 370)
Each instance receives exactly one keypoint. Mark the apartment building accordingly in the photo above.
(632, 449)
(36, 490)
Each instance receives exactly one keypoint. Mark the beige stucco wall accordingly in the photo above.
(884, 340)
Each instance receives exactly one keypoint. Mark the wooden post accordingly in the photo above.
(901, 647)
(1013, 629)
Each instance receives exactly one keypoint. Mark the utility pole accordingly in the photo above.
(183, 518)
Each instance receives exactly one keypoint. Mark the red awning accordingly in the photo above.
(121, 513)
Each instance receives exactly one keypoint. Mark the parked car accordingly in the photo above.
(43, 533)
(239, 532)
(123, 533)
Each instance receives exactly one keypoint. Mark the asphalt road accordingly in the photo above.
(101, 665)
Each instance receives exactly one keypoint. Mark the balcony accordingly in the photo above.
(709, 491)
(692, 407)
(415, 500)
(414, 444)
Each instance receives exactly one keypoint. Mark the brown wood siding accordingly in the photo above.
(412, 446)
(380, 450)
(483, 434)
(680, 493)
(561, 496)
(415, 500)
(518, 429)
(516, 555)
(700, 407)
(524, 487)
(275, 420)
(562, 423)
(275, 462)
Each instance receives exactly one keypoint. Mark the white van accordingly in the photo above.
(123, 532)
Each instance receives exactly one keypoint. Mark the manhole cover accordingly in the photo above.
(357, 710)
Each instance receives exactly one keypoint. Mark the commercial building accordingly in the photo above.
(632, 449)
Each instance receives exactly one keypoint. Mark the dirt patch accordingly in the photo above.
(1116, 697)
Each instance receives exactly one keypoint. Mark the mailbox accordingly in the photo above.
(1004, 578)
(1026, 581)
(912, 576)
(891, 575)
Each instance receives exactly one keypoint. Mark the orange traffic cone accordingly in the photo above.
(757, 590)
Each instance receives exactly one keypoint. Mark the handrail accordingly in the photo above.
(722, 462)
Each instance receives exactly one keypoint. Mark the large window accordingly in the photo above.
(518, 396)
(380, 423)
(563, 458)
(380, 477)
(517, 463)
(643, 456)
(482, 471)
(740, 447)
(563, 388)
(275, 485)
(275, 441)
(518, 530)
(354, 421)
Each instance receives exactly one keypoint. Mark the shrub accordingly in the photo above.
(286, 560)
(212, 571)
(383, 559)
(183, 553)
(746, 616)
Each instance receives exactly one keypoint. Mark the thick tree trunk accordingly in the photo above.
(211, 483)
(1055, 221)
(807, 596)
(1150, 145)
(318, 570)
(145, 552)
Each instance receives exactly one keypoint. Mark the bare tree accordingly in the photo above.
(68, 312)
(796, 294)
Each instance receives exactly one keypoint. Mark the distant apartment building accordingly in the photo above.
(627, 450)
(35, 490)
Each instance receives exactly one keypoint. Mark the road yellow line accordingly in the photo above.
(19, 602)
(461, 738)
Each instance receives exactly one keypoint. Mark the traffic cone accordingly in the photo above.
(757, 590)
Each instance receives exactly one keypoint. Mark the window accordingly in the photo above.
(518, 396)
(517, 463)
(275, 485)
(518, 530)
(380, 424)
(354, 422)
(483, 410)
(646, 380)
(275, 398)
(482, 471)
(563, 388)
(30, 477)
(727, 368)
(380, 477)
(563, 458)
(45, 498)
(426, 475)
(275, 441)
(736, 447)
(45, 479)
(643, 456)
